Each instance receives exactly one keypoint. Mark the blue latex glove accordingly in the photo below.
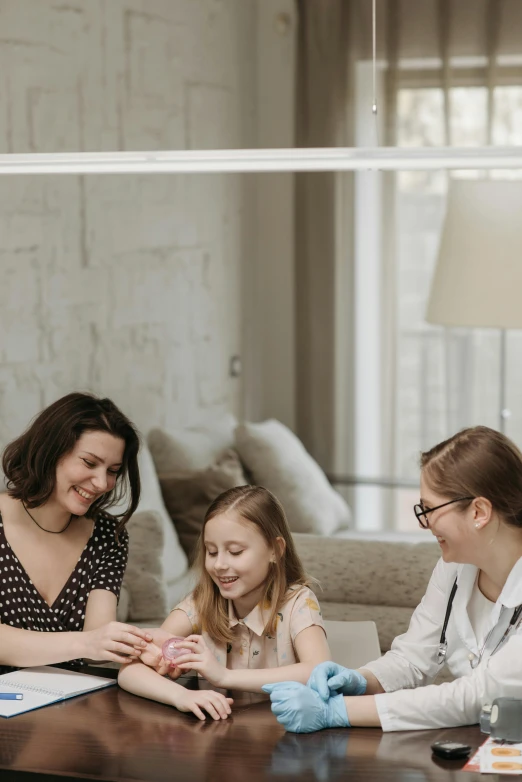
(331, 679)
(301, 710)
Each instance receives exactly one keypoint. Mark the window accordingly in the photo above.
(441, 379)
(446, 378)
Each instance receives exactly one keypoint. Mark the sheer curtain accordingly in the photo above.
(323, 88)
(446, 379)
(450, 73)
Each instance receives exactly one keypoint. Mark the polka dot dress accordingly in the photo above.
(100, 566)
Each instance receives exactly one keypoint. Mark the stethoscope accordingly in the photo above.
(474, 660)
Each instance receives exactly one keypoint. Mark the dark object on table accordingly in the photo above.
(450, 750)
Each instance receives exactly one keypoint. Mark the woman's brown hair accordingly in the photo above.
(478, 462)
(258, 506)
(30, 461)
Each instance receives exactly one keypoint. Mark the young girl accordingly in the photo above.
(469, 618)
(251, 619)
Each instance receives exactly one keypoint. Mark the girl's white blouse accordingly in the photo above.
(411, 701)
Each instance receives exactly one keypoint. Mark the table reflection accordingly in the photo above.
(323, 755)
(112, 734)
(334, 754)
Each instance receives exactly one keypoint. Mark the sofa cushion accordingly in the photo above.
(368, 571)
(174, 560)
(144, 579)
(188, 495)
(192, 448)
(277, 460)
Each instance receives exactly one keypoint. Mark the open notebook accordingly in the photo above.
(45, 685)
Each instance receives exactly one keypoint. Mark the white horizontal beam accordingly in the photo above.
(264, 160)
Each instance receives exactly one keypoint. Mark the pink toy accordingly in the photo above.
(171, 652)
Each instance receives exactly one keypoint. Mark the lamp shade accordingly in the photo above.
(478, 277)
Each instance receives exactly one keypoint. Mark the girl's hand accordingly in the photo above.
(116, 641)
(195, 700)
(202, 660)
(152, 654)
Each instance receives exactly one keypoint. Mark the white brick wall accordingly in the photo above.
(129, 286)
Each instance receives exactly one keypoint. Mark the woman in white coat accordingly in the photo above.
(470, 617)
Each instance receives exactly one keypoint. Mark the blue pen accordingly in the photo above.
(11, 696)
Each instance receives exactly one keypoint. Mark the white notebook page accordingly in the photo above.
(45, 685)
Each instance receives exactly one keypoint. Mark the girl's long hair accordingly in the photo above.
(258, 506)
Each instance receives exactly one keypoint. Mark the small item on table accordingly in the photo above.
(485, 718)
(450, 750)
(171, 652)
(499, 757)
(506, 719)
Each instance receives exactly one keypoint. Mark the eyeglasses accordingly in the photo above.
(422, 513)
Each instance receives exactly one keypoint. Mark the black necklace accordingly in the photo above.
(50, 531)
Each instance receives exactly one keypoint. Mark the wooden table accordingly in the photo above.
(112, 735)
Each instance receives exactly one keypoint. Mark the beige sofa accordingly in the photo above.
(358, 578)
(361, 576)
(367, 577)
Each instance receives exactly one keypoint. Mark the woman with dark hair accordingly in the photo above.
(470, 617)
(62, 554)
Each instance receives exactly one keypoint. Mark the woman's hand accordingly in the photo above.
(214, 703)
(115, 641)
(202, 660)
(302, 710)
(331, 679)
(152, 654)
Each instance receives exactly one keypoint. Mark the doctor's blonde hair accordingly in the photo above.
(478, 462)
(258, 506)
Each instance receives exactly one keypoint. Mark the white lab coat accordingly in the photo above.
(410, 701)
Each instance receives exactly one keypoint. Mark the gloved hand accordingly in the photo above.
(301, 710)
(330, 679)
